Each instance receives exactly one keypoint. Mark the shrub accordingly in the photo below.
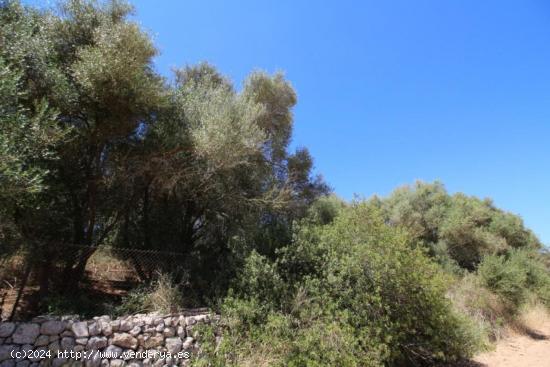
(537, 275)
(354, 292)
(484, 308)
(325, 209)
(505, 278)
(504, 289)
(254, 337)
(516, 277)
(381, 277)
(76, 303)
(467, 227)
(260, 278)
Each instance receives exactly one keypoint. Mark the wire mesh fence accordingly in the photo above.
(107, 270)
(116, 263)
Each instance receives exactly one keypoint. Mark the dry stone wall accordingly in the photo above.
(137, 340)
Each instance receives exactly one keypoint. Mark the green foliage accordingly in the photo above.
(455, 228)
(208, 183)
(25, 139)
(28, 138)
(506, 278)
(83, 84)
(254, 336)
(515, 277)
(260, 277)
(222, 125)
(131, 160)
(77, 303)
(362, 293)
(325, 209)
(501, 292)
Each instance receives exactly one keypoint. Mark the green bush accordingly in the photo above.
(76, 303)
(505, 278)
(516, 276)
(354, 292)
(468, 228)
(325, 209)
(307, 336)
(537, 275)
(386, 280)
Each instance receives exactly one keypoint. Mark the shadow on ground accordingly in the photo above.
(467, 363)
(534, 334)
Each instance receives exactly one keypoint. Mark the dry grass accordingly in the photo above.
(163, 296)
(11, 269)
(166, 296)
(104, 266)
(490, 313)
(262, 357)
(484, 307)
(532, 318)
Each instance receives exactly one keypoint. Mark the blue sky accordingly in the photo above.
(393, 91)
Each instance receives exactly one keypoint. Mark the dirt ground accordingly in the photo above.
(529, 347)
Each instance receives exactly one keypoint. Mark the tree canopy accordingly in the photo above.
(458, 227)
(98, 148)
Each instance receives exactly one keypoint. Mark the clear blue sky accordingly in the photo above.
(393, 91)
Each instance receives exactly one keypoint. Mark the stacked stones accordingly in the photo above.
(141, 333)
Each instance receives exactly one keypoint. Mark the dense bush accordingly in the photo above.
(488, 315)
(502, 293)
(516, 277)
(325, 209)
(362, 294)
(455, 228)
(505, 278)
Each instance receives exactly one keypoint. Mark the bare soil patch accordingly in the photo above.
(528, 345)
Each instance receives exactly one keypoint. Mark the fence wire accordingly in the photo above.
(108, 269)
